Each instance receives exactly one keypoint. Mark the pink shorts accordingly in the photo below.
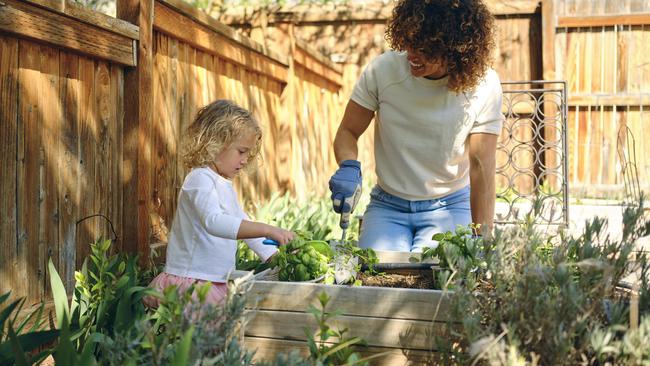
(215, 296)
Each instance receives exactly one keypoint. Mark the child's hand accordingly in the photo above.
(280, 235)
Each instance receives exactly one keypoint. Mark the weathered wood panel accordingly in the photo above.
(61, 117)
(269, 348)
(401, 322)
(11, 266)
(65, 31)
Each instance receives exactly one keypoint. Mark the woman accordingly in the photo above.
(438, 117)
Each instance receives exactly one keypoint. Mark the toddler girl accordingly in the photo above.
(223, 140)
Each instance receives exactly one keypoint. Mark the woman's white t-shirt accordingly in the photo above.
(202, 241)
(422, 127)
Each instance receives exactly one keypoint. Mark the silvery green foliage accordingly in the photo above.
(549, 299)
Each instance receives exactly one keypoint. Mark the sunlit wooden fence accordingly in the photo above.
(93, 109)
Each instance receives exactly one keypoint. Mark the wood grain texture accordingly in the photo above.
(413, 304)
(268, 348)
(183, 28)
(51, 126)
(46, 26)
(377, 332)
(138, 129)
(10, 265)
(30, 158)
(69, 172)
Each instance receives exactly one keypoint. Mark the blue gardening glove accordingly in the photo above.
(345, 185)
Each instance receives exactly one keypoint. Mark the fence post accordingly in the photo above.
(549, 21)
(138, 129)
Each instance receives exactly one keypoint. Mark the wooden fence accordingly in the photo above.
(93, 109)
(596, 45)
(600, 48)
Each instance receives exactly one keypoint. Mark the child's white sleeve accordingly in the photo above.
(263, 251)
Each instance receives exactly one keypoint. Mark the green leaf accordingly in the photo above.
(64, 353)
(438, 236)
(20, 358)
(323, 299)
(322, 247)
(6, 312)
(28, 342)
(343, 345)
(182, 354)
(59, 294)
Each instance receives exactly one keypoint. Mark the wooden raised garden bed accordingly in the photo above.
(398, 321)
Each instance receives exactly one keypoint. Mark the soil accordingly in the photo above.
(419, 281)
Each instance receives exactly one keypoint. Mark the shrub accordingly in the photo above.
(548, 299)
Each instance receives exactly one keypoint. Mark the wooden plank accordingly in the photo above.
(58, 5)
(89, 16)
(117, 146)
(218, 27)
(97, 19)
(377, 332)
(603, 20)
(620, 99)
(622, 58)
(42, 25)
(102, 106)
(597, 56)
(266, 349)
(571, 62)
(86, 229)
(29, 168)
(10, 267)
(69, 174)
(317, 63)
(181, 121)
(178, 26)
(642, 62)
(164, 140)
(138, 129)
(51, 124)
(395, 303)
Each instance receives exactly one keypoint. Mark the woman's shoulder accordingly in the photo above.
(390, 60)
(490, 79)
(389, 67)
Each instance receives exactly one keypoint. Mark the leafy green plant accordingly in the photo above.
(302, 259)
(18, 339)
(338, 351)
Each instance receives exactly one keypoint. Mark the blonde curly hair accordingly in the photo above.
(460, 31)
(215, 127)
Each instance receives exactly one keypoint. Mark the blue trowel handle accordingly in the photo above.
(270, 242)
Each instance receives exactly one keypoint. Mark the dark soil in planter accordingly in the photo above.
(419, 280)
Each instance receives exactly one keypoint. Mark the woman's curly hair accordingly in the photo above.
(460, 31)
(215, 127)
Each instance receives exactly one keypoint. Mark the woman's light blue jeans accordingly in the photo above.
(393, 223)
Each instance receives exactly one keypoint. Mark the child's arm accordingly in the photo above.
(256, 242)
(251, 229)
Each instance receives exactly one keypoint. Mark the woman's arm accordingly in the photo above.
(356, 120)
(482, 168)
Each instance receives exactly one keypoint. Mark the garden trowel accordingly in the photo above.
(344, 222)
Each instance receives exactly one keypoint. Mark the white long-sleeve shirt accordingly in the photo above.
(202, 241)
